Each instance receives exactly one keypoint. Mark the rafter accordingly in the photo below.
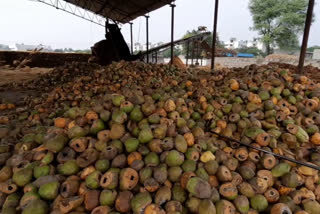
(79, 11)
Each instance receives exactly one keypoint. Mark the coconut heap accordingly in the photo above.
(138, 138)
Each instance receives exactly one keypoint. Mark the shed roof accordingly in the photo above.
(120, 10)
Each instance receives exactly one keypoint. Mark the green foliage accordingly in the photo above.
(311, 49)
(279, 22)
(58, 50)
(85, 51)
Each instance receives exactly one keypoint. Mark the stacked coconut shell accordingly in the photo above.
(137, 138)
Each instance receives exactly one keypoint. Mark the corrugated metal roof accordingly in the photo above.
(120, 10)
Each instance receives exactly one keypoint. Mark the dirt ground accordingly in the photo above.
(15, 95)
(9, 74)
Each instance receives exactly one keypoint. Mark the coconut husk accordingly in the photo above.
(178, 63)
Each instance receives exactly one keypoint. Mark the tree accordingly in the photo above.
(279, 22)
(58, 50)
(85, 51)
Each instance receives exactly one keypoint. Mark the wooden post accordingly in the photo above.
(215, 22)
(131, 37)
(306, 36)
(147, 32)
(172, 31)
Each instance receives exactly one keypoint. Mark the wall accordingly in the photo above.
(48, 60)
(316, 54)
(43, 59)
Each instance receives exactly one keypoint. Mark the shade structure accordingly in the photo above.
(122, 11)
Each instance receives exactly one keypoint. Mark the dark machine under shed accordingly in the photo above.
(124, 11)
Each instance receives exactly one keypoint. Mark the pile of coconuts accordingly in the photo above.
(138, 138)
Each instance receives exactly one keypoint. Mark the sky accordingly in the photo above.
(31, 22)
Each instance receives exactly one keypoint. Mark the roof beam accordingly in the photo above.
(96, 19)
(148, 6)
(111, 8)
(117, 10)
(105, 4)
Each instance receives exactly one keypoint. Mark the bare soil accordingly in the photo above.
(9, 74)
(15, 95)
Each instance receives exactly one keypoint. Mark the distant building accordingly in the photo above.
(243, 44)
(24, 47)
(138, 46)
(233, 43)
(316, 54)
(4, 47)
(257, 44)
(144, 46)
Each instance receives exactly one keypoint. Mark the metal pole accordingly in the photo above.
(106, 28)
(156, 57)
(131, 35)
(147, 31)
(172, 30)
(214, 39)
(187, 57)
(192, 53)
(306, 36)
(197, 54)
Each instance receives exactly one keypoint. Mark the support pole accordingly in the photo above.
(172, 31)
(154, 57)
(147, 31)
(106, 28)
(215, 22)
(197, 53)
(131, 37)
(192, 52)
(187, 57)
(306, 36)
